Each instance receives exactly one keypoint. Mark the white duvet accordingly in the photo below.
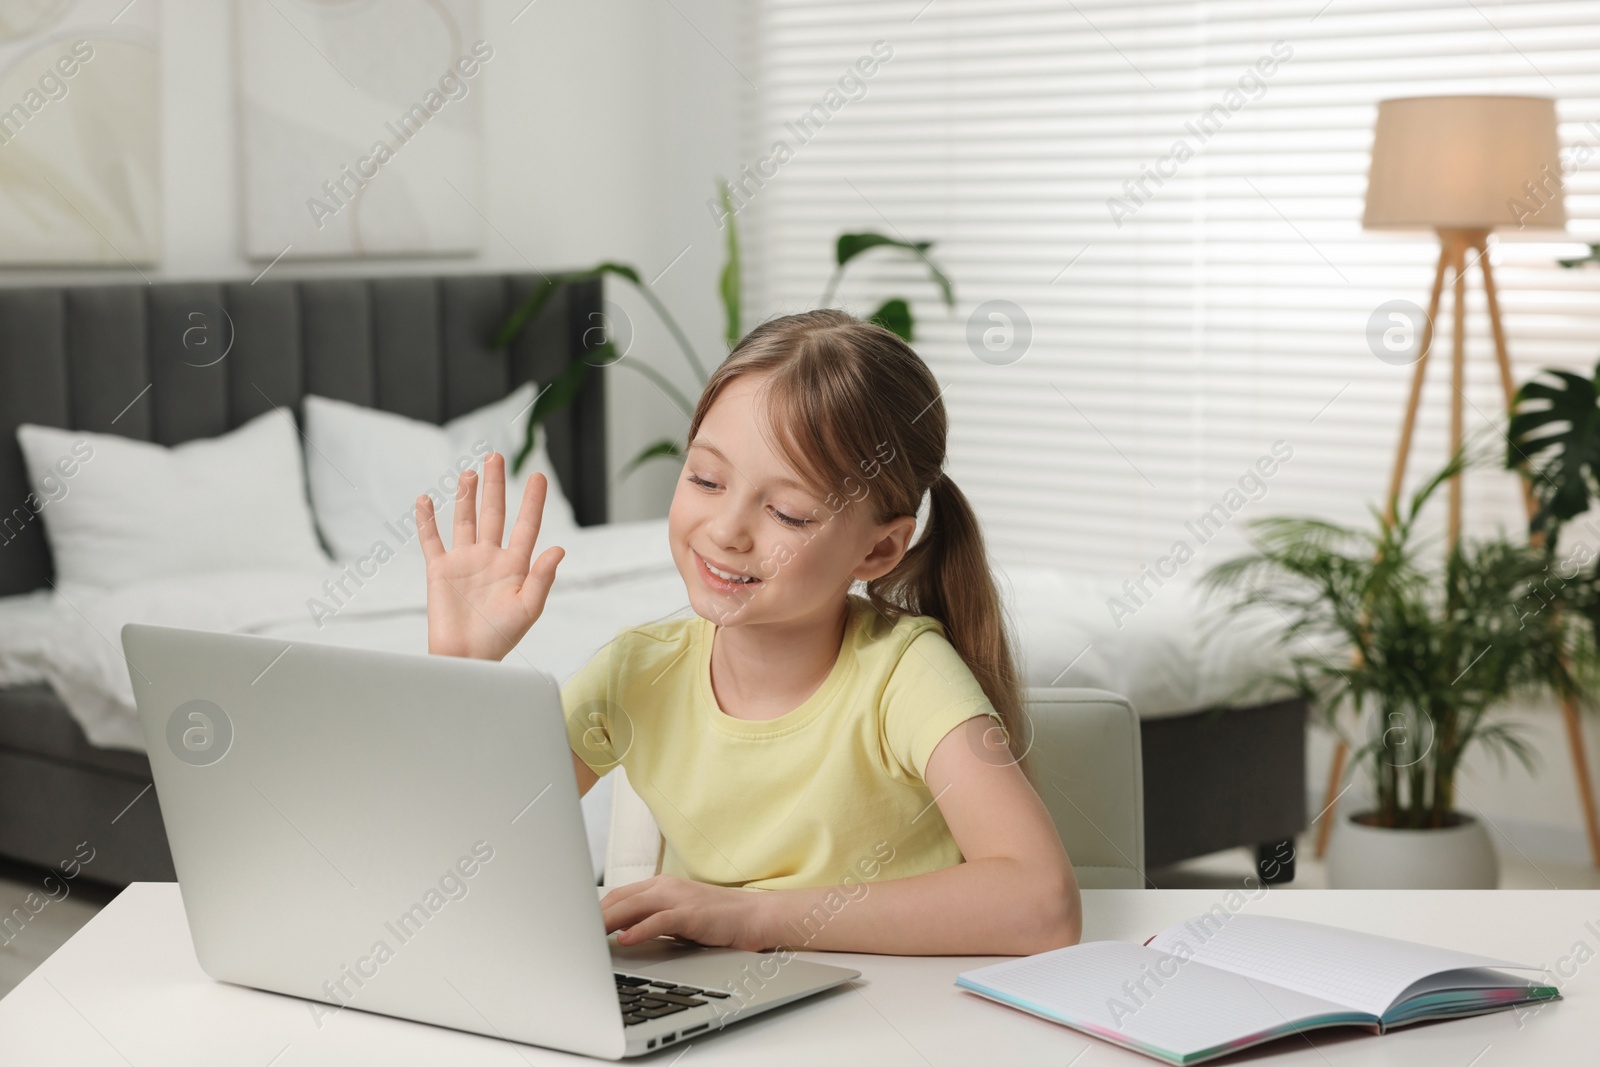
(1175, 654)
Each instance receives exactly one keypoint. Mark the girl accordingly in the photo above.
(856, 757)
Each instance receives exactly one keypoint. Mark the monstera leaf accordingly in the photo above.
(1555, 436)
(1592, 257)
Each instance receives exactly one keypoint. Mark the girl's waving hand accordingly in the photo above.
(482, 598)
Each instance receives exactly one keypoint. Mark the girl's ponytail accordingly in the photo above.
(946, 575)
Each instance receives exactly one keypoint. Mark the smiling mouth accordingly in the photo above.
(717, 580)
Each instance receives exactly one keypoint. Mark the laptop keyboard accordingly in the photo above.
(643, 999)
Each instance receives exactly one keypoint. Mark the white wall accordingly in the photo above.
(606, 123)
(609, 122)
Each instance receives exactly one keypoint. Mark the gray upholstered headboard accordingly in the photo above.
(127, 359)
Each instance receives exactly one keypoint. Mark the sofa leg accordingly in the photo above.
(1275, 861)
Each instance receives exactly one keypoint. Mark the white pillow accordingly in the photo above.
(118, 511)
(367, 468)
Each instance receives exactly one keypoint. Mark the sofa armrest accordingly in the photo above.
(1085, 760)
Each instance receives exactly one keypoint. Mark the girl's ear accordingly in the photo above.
(893, 539)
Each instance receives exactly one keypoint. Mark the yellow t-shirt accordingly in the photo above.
(830, 793)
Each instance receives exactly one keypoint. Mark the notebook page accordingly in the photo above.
(1465, 992)
(1474, 978)
(1159, 1004)
(1361, 971)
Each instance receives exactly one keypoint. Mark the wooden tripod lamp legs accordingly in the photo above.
(1454, 246)
(1449, 259)
(1569, 706)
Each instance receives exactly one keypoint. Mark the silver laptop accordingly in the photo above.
(402, 834)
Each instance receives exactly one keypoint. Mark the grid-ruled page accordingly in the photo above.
(1159, 1004)
(1362, 971)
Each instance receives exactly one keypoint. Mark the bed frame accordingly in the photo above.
(1225, 777)
(127, 359)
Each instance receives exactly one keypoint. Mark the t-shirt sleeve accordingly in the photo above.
(589, 703)
(929, 693)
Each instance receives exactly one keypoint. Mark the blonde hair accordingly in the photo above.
(851, 402)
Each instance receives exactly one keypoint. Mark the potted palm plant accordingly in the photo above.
(1412, 654)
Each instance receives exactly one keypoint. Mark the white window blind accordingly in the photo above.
(1229, 309)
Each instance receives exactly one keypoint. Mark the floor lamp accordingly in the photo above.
(1463, 166)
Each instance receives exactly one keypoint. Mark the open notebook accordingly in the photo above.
(1221, 982)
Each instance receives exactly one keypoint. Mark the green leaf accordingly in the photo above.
(1453, 467)
(620, 269)
(530, 308)
(851, 245)
(1555, 435)
(894, 316)
(665, 448)
(1592, 257)
(557, 395)
(731, 284)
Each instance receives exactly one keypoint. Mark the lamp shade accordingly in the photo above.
(1465, 162)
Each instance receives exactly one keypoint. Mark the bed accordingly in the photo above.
(1217, 773)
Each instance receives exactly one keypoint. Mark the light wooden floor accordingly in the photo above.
(60, 919)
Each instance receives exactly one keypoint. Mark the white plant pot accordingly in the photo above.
(1374, 857)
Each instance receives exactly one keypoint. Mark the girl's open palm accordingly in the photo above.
(482, 598)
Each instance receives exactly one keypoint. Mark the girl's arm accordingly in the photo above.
(482, 597)
(1015, 895)
(586, 776)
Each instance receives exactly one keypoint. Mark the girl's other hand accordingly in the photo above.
(483, 598)
(692, 911)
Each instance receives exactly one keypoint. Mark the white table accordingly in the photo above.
(128, 990)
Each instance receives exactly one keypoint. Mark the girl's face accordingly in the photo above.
(740, 509)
